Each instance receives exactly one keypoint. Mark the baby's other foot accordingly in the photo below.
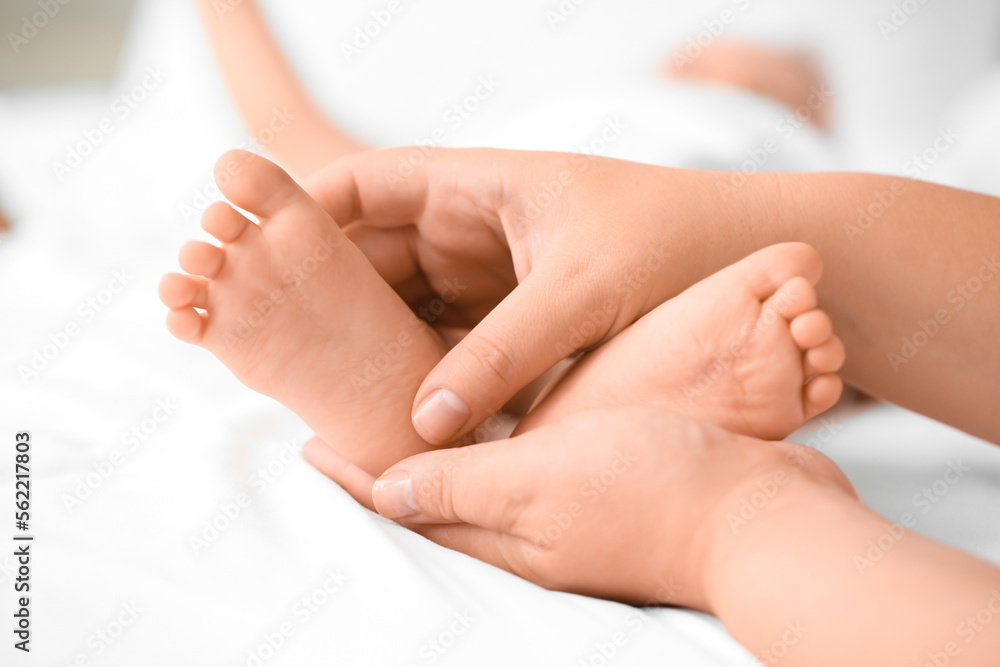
(792, 78)
(296, 312)
(745, 349)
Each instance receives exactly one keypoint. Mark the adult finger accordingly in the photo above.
(498, 549)
(486, 485)
(536, 326)
(390, 187)
(350, 477)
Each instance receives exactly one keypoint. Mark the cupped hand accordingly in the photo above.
(626, 504)
(539, 254)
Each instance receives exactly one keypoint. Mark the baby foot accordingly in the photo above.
(745, 349)
(296, 312)
(791, 78)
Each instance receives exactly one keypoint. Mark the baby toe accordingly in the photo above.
(201, 259)
(186, 324)
(825, 358)
(767, 270)
(811, 329)
(180, 291)
(797, 296)
(223, 222)
(821, 394)
(256, 184)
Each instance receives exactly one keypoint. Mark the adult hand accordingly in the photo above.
(650, 508)
(544, 254)
(627, 504)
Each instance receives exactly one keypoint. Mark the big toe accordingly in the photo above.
(767, 270)
(256, 184)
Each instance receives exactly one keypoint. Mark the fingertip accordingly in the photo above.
(393, 497)
(441, 417)
(523, 337)
(357, 482)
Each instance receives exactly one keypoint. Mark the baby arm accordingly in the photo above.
(267, 92)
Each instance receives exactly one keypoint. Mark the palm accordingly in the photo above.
(453, 265)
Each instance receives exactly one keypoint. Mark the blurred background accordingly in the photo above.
(81, 43)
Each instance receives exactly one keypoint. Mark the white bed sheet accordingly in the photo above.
(126, 550)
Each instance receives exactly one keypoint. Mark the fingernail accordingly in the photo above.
(440, 416)
(393, 495)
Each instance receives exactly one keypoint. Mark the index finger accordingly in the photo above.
(392, 187)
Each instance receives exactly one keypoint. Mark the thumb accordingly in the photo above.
(483, 485)
(530, 331)
(351, 478)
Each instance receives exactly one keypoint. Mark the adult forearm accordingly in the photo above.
(913, 284)
(825, 582)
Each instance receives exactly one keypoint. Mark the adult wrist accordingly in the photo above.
(706, 223)
(791, 486)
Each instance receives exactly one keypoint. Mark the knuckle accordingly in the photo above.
(491, 357)
(437, 494)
